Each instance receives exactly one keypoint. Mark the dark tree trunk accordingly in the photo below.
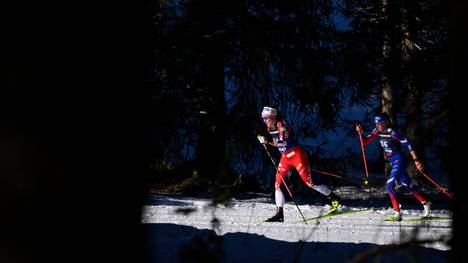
(390, 65)
(414, 122)
(212, 131)
(389, 61)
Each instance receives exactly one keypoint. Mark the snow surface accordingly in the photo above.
(173, 223)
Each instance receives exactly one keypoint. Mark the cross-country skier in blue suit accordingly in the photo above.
(391, 141)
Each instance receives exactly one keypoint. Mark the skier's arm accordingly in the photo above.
(264, 140)
(366, 139)
(283, 136)
(402, 139)
(417, 163)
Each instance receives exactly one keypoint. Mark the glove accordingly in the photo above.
(262, 139)
(359, 129)
(418, 165)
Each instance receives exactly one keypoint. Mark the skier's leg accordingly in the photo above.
(404, 180)
(281, 173)
(279, 198)
(302, 166)
(390, 187)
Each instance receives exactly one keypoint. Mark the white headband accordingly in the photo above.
(268, 111)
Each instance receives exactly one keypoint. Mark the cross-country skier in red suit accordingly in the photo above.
(292, 156)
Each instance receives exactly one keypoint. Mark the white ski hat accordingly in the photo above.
(268, 111)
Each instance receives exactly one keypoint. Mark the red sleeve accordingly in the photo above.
(370, 137)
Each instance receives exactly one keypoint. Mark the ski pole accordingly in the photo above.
(364, 158)
(443, 190)
(276, 168)
(337, 176)
(289, 191)
(331, 174)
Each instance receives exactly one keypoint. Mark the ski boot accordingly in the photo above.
(334, 202)
(427, 209)
(396, 217)
(278, 217)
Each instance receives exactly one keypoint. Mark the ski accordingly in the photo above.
(335, 213)
(419, 219)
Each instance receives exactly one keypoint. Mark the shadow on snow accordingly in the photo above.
(178, 243)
